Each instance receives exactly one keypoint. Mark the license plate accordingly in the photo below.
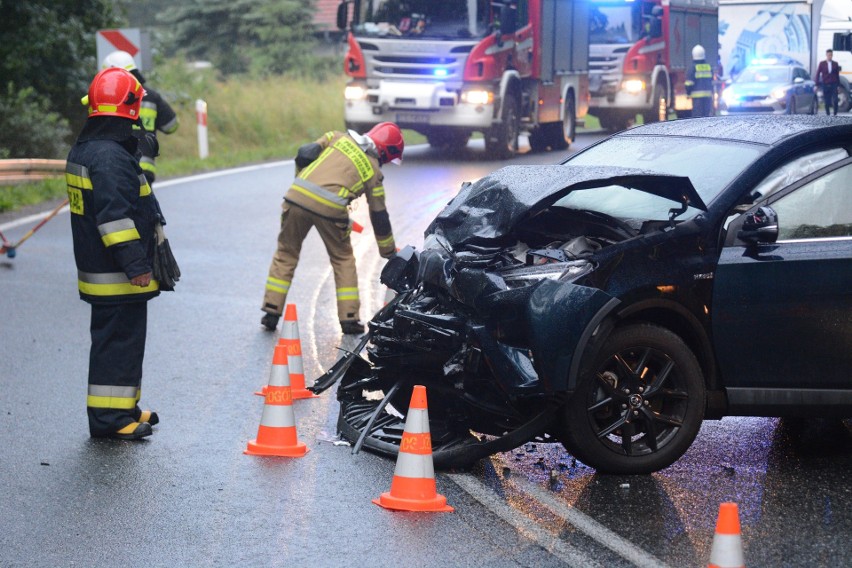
(412, 118)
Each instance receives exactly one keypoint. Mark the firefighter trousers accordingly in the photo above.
(295, 225)
(702, 106)
(115, 365)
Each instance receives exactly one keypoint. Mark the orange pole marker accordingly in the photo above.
(413, 487)
(276, 435)
(727, 549)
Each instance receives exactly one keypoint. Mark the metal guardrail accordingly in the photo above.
(30, 169)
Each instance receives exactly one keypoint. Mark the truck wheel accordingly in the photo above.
(567, 129)
(502, 140)
(613, 122)
(539, 137)
(638, 406)
(659, 110)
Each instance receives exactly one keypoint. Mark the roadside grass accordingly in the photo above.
(13, 197)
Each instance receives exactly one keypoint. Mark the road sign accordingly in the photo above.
(132, 40)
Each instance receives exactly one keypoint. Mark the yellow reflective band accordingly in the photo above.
(385, 241)
(703, 67)
(144, 188)
(120, 237)
(379, 191)
(277, 285)
(148, 116)
(148, 167)
(689, 83)
(110, 402)
(121, 289)
(107, 108)
(356, 156)
(170, 126)
(700, 94)
(78, 181)
(347, 293)
(329, 136)
(703, 75)
(317, 197)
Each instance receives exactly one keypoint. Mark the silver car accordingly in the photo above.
(778, 89)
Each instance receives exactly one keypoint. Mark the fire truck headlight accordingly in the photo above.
(354, 93)
(633, 86)
(477, 97)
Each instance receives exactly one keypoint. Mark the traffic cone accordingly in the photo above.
(290, 338)
(413, 486)
(727, 549)
(276, 435)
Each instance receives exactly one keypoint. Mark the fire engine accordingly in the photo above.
(640, 53)
(451, 68)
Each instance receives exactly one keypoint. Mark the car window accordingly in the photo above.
(797, 169)
(819, 209)
(764, 75)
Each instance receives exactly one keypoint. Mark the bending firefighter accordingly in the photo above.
(699, 84)
(330, 174)
(114, 224)
(155, 114)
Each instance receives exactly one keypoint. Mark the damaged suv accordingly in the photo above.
(668, 274)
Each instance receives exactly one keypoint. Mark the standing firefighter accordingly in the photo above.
(114, 223)
(699, 84)
(330, 173)
(155, 114)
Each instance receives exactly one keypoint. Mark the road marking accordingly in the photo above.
(530, 529)
(591, 527)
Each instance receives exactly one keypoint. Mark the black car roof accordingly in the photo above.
(757, 129)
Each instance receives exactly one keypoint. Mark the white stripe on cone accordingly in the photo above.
(727, 551)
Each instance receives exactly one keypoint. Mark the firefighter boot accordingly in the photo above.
(148, 416)
(351, 327)
(133, 431)
(270, 321)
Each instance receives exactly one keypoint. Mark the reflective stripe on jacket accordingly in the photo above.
(699, 80)
(113, 213)
(156, 115)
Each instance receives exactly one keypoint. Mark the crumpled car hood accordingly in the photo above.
(485, 212)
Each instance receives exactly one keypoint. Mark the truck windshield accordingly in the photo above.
(615, 24)
(426, 19)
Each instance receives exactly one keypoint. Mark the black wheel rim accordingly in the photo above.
(638, 403)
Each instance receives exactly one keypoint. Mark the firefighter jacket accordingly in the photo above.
(113, 214)
(699, 80)
(342, 173)
(156, 115)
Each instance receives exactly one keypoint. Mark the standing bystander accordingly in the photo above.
(828, 79)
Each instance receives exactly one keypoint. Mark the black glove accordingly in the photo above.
(166, 269)
(307, 154)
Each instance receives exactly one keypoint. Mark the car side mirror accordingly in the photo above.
(759, 226)
(798, 81)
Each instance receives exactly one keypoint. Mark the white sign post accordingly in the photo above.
(201, 117)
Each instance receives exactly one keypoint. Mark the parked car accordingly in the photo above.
(671, 273)
(773, 88)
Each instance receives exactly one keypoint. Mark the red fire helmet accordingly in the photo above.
(115, 92)
(388, 139)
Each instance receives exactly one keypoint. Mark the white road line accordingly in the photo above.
(590, 527)
(551, 543)
(199, 177)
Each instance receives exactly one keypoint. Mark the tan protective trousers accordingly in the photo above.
(295, 225)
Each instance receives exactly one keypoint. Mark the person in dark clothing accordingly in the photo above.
(155, 114)
(114, 219)
(828, 79)
(699, 84)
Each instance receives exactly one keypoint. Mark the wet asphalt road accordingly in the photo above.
(188, 496)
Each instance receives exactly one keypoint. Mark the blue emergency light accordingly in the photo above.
(440, 72)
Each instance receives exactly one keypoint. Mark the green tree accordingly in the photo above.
(30, 129)
(239, 36)
(48, 50)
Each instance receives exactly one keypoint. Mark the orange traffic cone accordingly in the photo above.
(727, 549)
(276, 435)
(413, 486)
(290, 338)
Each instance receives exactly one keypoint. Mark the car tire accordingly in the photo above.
(814, 105)
(844, 99)
(449, 138)
(502, 141)
(639, 402)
